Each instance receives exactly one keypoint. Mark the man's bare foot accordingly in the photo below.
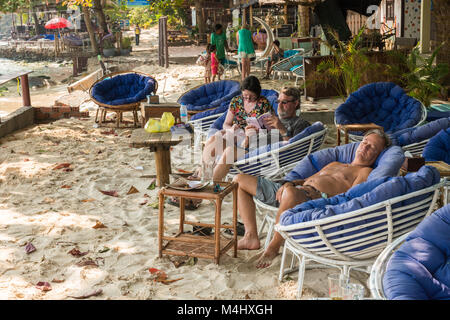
(248, 244)
(266, 259)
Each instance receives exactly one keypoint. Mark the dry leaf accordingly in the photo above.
(111, 193)
(58, 280)
(183, 171)
(152, 184)
(87, 200)
(29, 248)
(77, 253)
(62, 165)
(144, 202)
(44, 286)
(87, 262)
(66, 186)
(161, 276)
(99, 225)
(133, 190)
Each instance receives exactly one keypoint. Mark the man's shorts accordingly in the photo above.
(266, 191)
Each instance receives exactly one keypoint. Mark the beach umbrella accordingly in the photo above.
(57, 23)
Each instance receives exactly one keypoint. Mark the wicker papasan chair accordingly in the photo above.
(121, 92)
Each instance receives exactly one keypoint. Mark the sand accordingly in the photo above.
(56, 210)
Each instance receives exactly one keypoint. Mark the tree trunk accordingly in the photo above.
(35, 19)
(200, 18)
(303, 21)
(98, 9)
(90, 29)
(440, 11)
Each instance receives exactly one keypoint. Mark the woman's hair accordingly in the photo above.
(276, 42)
(292, 92)
(251, 83)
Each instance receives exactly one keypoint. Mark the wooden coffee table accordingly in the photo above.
(160, 143)
(354, 127)
(209, 247)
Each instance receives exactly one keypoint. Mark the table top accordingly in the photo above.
(141, 138)
(360, 126)
(10, 76)
(443, 168)
(206, 193)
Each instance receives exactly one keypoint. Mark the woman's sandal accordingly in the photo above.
(189, 204)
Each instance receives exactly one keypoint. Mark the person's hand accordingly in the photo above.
(274, 122)
(251, 130)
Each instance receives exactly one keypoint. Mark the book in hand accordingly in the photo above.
(258, 122)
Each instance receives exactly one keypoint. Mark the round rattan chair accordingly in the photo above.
(121, 92)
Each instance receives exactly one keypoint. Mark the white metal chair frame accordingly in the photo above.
(379, 268)
(357, 138)
(269, 162)
(337, 253)
(201, 127)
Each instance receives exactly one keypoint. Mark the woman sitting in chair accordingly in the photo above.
(237, 136)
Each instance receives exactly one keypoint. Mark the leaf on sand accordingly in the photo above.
(94, 293)
(183, 171)
(62, 165)
(179, 261)
(77, 253)
(111, 193)
(58, 280)
(44, 286)
(152, 184)
(161, 276)
(133, 190)
(143, 202)
(99, 225)
(66, 186)
(105, 249)
(87, 200)
(87, 262)
(29, 248)
(108, 132)
(154, 205)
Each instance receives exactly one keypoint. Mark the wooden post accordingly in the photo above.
(163, 49)
(425, 26)
(250, 8)
(25, 90)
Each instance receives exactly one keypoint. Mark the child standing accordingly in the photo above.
(208, 63)
(214, 63)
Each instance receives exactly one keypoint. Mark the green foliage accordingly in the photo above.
(126, 42)
(149, 15)
(346, 71)
(420, 75)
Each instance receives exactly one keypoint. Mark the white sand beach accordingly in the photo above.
(56, 210)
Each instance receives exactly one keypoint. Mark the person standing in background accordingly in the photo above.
(219, 39)
(137, 33)
(246, 51)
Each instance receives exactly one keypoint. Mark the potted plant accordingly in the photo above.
(420, 75)
(108, 49)
(126, 46)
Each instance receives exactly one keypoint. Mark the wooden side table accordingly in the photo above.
(160, 143)
(156, 110)
(354, 127)
(209, 247)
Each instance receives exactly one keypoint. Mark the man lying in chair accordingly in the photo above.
(333, 179)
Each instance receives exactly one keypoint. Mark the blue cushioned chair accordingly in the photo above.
(350, 230)
(120, 92)
(415, 267)
(438, 148)
(382, 103)
(414, 139)
(387, 164)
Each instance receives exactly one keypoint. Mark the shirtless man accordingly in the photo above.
(333, 179)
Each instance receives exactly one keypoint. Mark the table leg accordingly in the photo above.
(346, 136)
(338, 136)
(160, 224)
(235, 199)
(182, 202)
(162, 158)
(25, 90)
(217, 230)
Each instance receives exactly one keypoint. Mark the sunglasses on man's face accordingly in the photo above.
(284, 102)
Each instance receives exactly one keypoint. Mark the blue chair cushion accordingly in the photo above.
(315, 127)
(210, 95)
(383, 103)
(362, 196)
(438, 148)
(123, 89)
(388, 162)
(420, 268)
(272, 97)
(416, 134)
(289, 53)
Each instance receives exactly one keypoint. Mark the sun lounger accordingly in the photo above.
(415, 266)
(350, 230)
